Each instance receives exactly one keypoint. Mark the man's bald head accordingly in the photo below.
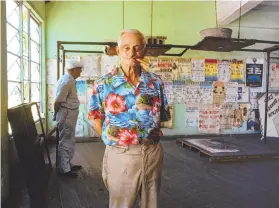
(134, 32)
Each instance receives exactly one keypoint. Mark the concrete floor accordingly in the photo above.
(188, 181)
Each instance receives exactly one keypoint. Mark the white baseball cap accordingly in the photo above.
(71, 64)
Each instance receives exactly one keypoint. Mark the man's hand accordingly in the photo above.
(97, 125)
(155, 134)
(54, 117)
(56, 109)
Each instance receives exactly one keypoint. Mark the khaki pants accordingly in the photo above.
(67, 120)
(133, 171)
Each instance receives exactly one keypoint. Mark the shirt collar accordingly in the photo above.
(70, 76)
(119, 78)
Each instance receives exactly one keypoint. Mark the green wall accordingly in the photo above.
(39, 7)
(96, 20)
(92, 21)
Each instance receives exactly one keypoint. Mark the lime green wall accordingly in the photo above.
(39, 7)
(92, 21)
(96, 20)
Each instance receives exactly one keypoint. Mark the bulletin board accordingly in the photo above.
(205, 95)
(214, 93)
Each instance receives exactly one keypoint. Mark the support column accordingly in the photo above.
(4, 105)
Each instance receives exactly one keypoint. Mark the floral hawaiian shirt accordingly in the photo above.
(128, 113)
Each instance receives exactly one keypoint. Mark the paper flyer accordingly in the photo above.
(237, 71)
(231, 92)
(91, 66)
(168, 86)
(218, 92)
(211, 69)
(192, 92)
(226, 116)
(274, 75)
(178, 92)
(184, 69)
(206, 93)
(192, 117)
(242, 93)
(198, 70)
(254, 72)
(209, 119)
(164, 67)
(224, 73)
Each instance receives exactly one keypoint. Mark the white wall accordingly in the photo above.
(260, 23)
(228, 11)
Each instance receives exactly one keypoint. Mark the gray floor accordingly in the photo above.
(248, 147)
(188, 181)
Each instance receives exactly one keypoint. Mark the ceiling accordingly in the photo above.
(271, 6)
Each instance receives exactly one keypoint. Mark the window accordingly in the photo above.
(23, 54)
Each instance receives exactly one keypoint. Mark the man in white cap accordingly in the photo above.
(66, 109)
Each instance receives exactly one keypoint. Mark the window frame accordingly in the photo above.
(26, 97)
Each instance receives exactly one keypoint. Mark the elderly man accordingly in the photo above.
(127, 106)
(66, 109)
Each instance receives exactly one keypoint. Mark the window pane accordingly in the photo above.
(25, 67)
(14, 94)
(35, 30)
(12, 13)
(13, 67)
(26, 92)
(25, 19)
(35, 72)
(25, 44)
(23, 80)
(12, 40)
(35, 92)
(35, 52)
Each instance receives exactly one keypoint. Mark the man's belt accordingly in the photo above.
(144, 141)
(70, 108)
(150, 141)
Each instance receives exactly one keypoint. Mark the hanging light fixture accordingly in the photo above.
(219, 39)
(216, 31)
